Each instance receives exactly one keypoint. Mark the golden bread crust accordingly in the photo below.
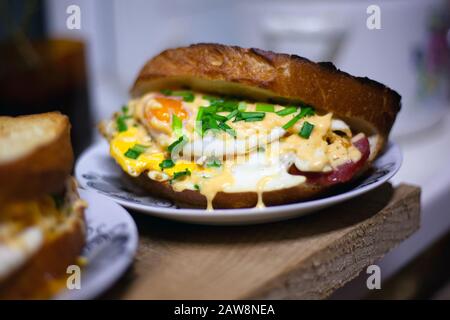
(42, 169)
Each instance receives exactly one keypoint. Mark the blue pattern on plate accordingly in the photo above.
(118, 188)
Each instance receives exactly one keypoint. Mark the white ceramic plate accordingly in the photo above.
(96, 170)
(112, 240)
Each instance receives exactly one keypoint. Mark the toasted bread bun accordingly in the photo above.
(35, 155)
(34, 261)
(366, 105)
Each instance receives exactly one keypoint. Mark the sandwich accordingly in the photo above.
(216, 126)
(42, 226)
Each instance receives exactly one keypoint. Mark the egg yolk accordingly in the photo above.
(168, 107)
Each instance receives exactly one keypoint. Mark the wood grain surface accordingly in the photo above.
(303, 258)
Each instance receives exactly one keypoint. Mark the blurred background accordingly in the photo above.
(48, 62)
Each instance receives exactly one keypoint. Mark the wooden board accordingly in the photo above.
(308, 257)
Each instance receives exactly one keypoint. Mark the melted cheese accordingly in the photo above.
(260, 190)
(311, 153)
(210, 186)
(317, 154)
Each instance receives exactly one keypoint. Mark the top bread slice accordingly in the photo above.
(368, 106)
(35, 155)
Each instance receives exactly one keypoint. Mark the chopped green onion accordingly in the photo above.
(120, 121)
(177, 125)
(187, 96)
(222, 104)
(220, 118)
(196, 187)
(265, 107)
(165, 164)
(212, 123)
(247, 115)
(203, 121)
(181, 140)
(306, 112)
(229, 105)
(291, 122)
(242, 106)
(210, 109)
(135, 151)
(180, 174)
(232, 114)
(210, 119)
(286, 111)
(121, 124)
(140, 148)
(253, 119)
(306, 130)
(198, 121)
(238, 117)
(200, 112)
(227, 129)
(132, 154)
(215, 163)
(250, 116)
